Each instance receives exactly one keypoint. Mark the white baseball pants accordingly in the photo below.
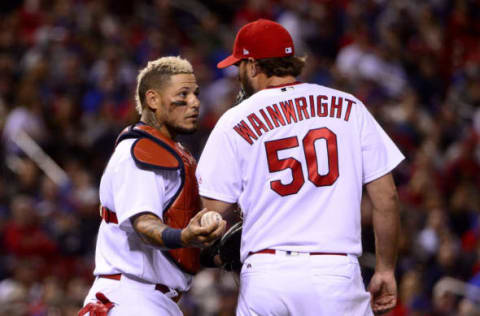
(131, 297)
(299, 284)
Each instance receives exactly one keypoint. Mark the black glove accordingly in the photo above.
(227, 248)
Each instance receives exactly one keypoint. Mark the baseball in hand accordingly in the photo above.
(210, 217)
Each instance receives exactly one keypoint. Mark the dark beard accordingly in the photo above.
(180, 130)
(247, 87)
(246, 90)
(240, 97)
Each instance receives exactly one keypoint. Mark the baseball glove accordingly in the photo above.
(227, 249)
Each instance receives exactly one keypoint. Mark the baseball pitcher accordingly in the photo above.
(295, 158)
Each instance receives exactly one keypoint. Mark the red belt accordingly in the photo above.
(159, 287)
(107, 215)
(273, 251)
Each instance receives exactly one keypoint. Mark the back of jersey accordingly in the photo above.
(295, 158)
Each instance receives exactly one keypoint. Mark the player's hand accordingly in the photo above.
(196, 235)
(383, 289)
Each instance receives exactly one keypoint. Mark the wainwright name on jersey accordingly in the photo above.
(295, 159)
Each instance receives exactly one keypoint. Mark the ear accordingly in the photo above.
(152, 99)
(252, 67)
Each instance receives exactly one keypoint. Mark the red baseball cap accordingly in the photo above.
(260, 39)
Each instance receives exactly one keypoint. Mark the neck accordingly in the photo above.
(265, 82)
(148, 117)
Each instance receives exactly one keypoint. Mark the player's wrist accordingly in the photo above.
(172, 238)
(384, 269)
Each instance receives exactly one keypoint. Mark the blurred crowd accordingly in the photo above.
(67, 77)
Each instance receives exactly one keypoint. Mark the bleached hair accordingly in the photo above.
(156, 73)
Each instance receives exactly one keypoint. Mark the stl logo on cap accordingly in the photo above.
(260, 39)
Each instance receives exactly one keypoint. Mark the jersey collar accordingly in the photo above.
(284, 85)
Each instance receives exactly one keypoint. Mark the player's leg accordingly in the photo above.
(338, 286)
(110, 288)
(302, 285)
(131, 299)
(149, 302)
(278, 285)
(259, 288)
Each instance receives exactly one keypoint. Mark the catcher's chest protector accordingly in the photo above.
(153, 151)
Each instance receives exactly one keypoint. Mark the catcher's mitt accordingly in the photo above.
(227, 248)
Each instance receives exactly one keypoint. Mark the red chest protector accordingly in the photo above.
(153, 151)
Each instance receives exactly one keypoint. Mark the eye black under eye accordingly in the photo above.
(179, 103)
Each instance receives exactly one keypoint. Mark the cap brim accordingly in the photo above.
(230, 60)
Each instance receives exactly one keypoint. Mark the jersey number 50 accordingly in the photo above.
(275, 164)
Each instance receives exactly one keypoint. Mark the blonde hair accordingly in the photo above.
(156, 73)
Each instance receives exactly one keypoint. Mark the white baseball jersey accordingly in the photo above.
(127, 190)
(295, 158)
